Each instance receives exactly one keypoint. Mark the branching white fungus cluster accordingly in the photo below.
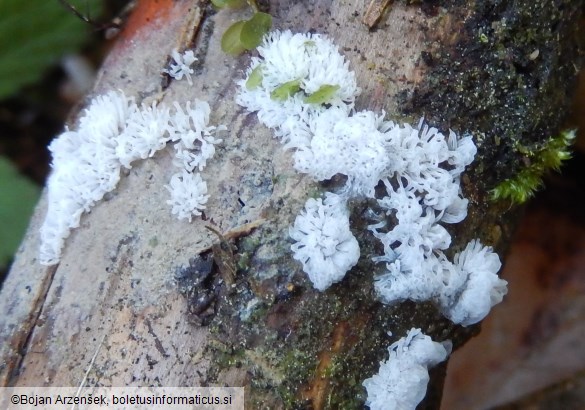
(113, 133)
(302, 88)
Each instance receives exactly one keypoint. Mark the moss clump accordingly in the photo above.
(550, 156)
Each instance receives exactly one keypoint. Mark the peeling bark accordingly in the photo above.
(130, 275)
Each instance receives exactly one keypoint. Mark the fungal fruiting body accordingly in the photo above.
(352, 145)
(181, 67)
(325, 245)
(291, 68)
(302, 88)
(114, 132)
(401, 382)
(188, 194)
(476, 286)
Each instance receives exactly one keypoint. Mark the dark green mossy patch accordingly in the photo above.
(507, 80)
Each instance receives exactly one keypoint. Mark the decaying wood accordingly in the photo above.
(126, 275)
(375, 11)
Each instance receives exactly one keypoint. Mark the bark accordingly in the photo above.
(127, 284)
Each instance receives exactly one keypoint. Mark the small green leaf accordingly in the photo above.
(17, 202)
(230, 41)
(281, 93)
(255, 78)
(254, 29)
(322, 95)
(232, 4)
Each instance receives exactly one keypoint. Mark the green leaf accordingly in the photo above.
(255, 78)
(17, 202)
(281, 93)
(322, 95)
(232, 4)
(35, 35)
(230, 41)
(254, 29)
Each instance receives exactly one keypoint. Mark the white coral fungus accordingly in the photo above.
(465, 290)
(401, 382)
(302, 88)
(114, 132)
(349, 145)
(188, 194)
(291, 68)
(182, 65)
(425, 194)
(420, 168)
(325, 245)
(479, 289)
(197, 138)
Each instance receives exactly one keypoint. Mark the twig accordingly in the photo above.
(91, 363)
(374, 12)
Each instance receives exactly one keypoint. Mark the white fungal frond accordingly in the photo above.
(106, 116)
(401, 382)
(291, 68)
(145, 133)
(188, 194)
(347, 145)
(477, 269)
(324, 244)
(182, 65)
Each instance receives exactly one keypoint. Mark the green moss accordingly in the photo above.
(299, 367)
(223, 357)
(345, 388)
(259, 313)
(243, 262)
(548, 157)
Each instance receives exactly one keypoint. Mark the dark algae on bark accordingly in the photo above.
(508, 80)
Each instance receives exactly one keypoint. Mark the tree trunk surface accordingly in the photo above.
(125, 285)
